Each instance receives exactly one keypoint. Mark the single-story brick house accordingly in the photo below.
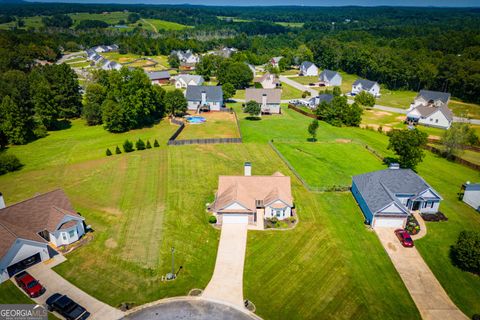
(387, 197)
(28, 228)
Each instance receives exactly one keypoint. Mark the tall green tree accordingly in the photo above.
(365, 99)
(408, 146)
(13, 123)
(175, 102)
(228, 91)
(237, 73)
(252, 108)
(92, 108)
(459, 135)
(312, 129)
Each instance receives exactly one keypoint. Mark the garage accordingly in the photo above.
(235, 218)
(24, 264)
(389, 222)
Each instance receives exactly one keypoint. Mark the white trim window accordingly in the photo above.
(279, 213)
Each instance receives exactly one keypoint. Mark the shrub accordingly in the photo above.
(155, 144)
(466, 252)
(212, 219)
(148, 146)
(8, 163)
(380, 129)
(117, 150)
(476, 316)
(108, 152)
(128, 146)
(140, 145)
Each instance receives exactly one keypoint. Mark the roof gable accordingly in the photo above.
(213, 93)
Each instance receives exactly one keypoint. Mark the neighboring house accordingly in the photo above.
(275, 61)
(471, 195)
(307, 68)
(185, 80)
(387, 197)
(269, 99)
(111, 65)
(159, 77)
(247, 198)
(101, 49)
(225, 52)
(371, 87)
(434, 98)
(432, 116)
(27, 228)
(430, 108)
(330, 78)
(187, 57)
(315, 101)
(252, 68)
(204, 98)
(268, 81)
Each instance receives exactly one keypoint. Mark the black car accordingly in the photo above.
(66, 307)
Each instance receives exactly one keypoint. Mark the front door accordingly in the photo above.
(416, 205)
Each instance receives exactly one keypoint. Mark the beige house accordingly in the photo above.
(269, 99)
(248, 199)
(268, 81)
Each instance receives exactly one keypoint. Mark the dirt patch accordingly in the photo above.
(114, 211)
(400, 118)
(110, 243)
(343, 140)
(380, 113)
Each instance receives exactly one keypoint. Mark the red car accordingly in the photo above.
(404, 238)
(29, 284)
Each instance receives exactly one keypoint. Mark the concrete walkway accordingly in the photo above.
(226, 284)
(54, 283)
(431, 299)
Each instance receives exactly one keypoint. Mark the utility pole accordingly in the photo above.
(172, 275)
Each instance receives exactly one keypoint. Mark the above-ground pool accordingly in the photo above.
(195, 119)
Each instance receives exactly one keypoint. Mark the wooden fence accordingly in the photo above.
(305, 113)
(454, 158)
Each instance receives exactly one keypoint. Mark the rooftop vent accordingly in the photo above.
(394, 166)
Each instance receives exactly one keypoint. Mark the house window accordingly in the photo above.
(71, 233)
(278, 213)
(64, 236)
(436, 120)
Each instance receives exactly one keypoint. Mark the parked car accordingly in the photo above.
(66, 307)
(29, 284)
(404, 238)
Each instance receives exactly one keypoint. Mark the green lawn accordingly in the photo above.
(218, 125)
(291, 24)
(289, 92)
(328, 164)
(305, 80)
(166, 25)
(110, 17)
(396, 98)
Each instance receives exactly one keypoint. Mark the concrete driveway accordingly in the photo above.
(431, 299)
(226, 284)
(53, 282)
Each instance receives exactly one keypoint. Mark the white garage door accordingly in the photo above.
(384, 222)
(235, 218)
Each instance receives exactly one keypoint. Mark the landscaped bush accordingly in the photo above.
(117, 150)
(412, 227)
(148, 146)
(212, 219)
(466, 252)
(434, 217)
(108, 152)
(140, 145)
(8, 163)
(155, 144)
(128, 146)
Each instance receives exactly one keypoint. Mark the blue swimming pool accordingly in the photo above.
(195, 119)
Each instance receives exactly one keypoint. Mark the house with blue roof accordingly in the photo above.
(387, 197)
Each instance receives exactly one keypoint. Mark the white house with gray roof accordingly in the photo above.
(159, 77)
(315, 101)
(187, 57)
(308, 68)
(330, 78)
(184, 80)
(111, 65)
(430, 108)
(207, 98)
(371, 87)
(471, 195)
(387, 197)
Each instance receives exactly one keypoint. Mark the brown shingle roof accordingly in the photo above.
(273, 95)
(426, 111)
(27, 218)
(246, 189)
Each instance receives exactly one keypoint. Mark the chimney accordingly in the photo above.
(264, 100)
(247, 169)
(204, 97)
(2, 202)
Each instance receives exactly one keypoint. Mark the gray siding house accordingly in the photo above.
(269, 99)
(330, 78)
(206, 98)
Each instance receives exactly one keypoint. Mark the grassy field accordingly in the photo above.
(305, 80)
(218, 125)
(289, 92)
(326, 164)
(291, 24)
(396, 98)
(30, 22)
(129, 57)
(166, 25)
